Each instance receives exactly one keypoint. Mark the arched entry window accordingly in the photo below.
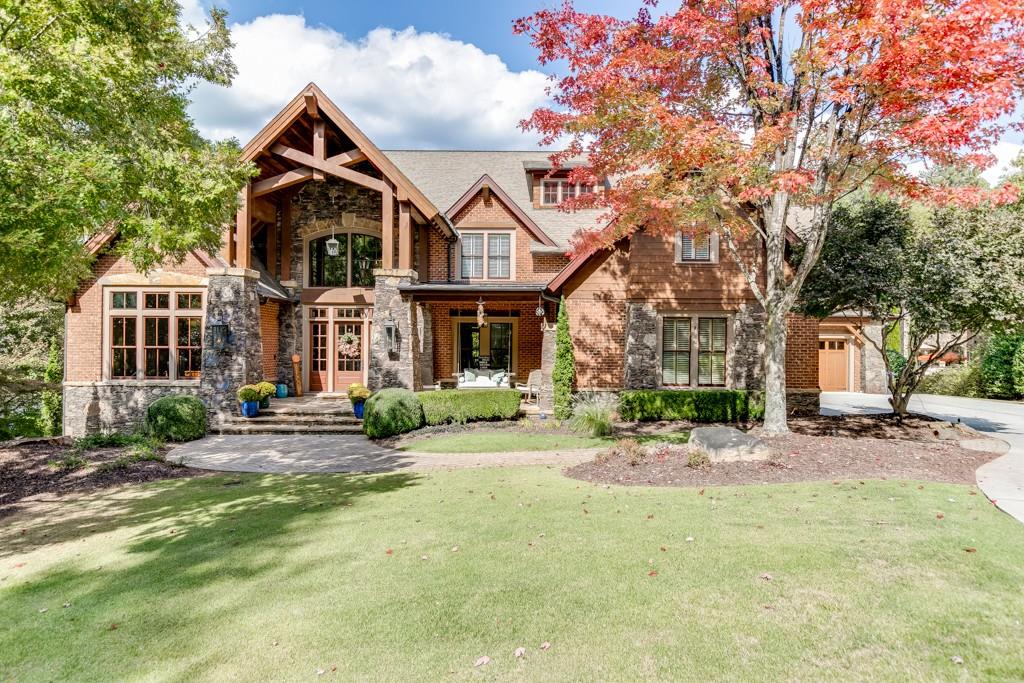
(358, 255)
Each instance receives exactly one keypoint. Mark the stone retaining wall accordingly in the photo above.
(91, 407)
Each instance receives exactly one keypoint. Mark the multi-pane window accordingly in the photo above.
(557, 191)
(499, 255)
(685, 355)
(486, 255)
(189, 347)
(711, 354)
(694, 247)
(473, 255)
(675, 351)
(123, 347)
(162, 340)
(358, 255)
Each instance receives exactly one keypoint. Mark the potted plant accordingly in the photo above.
(282, 390)
(358, 394)
(249, 398)
(266, 390)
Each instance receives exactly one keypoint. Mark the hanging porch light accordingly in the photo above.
(481, 315)
(333, 246)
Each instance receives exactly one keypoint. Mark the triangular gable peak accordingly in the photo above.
(311, 137)
(487, 185)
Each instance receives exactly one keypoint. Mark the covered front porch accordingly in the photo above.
(485, 335)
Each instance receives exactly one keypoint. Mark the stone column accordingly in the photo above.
(399, 367)
(289, 337)
(548, 347)
(641, 361)
(231, 299)
(873, 377)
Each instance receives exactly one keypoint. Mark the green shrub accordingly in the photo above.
(955, 380)
(51, 422)
(997, 365)
(1018, 369)
(69, 463)
(593, 413)
(176, 418)
(468, 405)
(103, 440)
(698, 405)
(698, 460)
(390, 412)
(564, 371)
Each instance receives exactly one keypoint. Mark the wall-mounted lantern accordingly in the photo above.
(539, 311)
(217, 334)
(391, 335)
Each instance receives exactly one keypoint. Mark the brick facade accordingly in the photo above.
(269, 331)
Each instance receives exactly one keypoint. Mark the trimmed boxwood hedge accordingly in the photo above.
(696, 405)
(390, 412)
(176, 418)
(469, 405)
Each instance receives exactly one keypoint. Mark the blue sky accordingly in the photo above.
(411, 74)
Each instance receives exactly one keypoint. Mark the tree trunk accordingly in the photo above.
(775, 414)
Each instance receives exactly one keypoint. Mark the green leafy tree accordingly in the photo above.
(1018, 369)
(94, 136)
(27, 330)
(564, 371)
(51, 422)
(960, 276)
(998, 365)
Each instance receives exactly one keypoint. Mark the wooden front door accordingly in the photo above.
(318, 355)
(833, 365)
(348, 345)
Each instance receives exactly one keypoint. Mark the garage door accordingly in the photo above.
(833, 365)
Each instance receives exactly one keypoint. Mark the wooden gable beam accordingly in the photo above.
(311, 106)
(319, 147)
(348, 158)
(333, 169)
(265, 211)
(279, 182)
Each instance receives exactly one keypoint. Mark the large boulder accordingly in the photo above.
(726, 444)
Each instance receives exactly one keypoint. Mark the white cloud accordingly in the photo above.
(404, 89)
(192, 14)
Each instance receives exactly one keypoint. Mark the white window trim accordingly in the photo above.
(140, 313)
(562, 184)
(486, 256)
(714, 243)
(694, 316)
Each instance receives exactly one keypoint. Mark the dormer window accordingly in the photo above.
(555, 191)
(486, 254)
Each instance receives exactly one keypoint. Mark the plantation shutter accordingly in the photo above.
(675, 351)
(711, 351)
(694, 249)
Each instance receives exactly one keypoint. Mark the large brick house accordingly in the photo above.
(379, 266)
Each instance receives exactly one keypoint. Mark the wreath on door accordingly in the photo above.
(348, 345)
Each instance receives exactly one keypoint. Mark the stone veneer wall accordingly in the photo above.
(426, 337)
(91, 407)
(873, 379)
(289, 343)
(641, 356)
(232, 299)
(400, 368)
(548, 348)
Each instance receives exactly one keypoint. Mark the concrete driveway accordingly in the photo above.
(1002, 480)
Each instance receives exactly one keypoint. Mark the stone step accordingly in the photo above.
(249, 427)
(327, 409)
(271, 418)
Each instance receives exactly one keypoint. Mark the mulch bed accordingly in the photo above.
(819, 449)
(25, 472)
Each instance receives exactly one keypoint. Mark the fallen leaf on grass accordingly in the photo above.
(653, 572)
(43, 610)
(389, 551)
(520, 652)
(482, 661)
(455, 548)
(956, 659)
(970, 550)
(664, 549)
(766, 576)
(545, 645)
(113, 627)
(940, 516)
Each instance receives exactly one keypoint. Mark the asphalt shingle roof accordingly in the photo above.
(444, 176)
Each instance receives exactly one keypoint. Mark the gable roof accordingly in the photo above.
(291, 112)
(495, 188)
(444, 175)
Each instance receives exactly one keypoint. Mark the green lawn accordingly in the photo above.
(503, 441)
(272, 578)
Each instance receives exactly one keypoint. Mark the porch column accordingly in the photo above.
(398, 366)
(232, 300)
(547, 365)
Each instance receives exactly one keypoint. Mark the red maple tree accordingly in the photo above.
(751, 118)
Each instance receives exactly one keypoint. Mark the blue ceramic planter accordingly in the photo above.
(357, 408)
(250, 408)
(282, 391)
